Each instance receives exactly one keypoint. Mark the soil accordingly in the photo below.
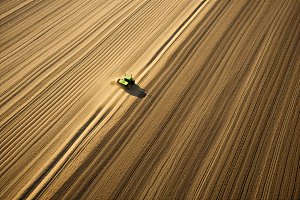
(214, 113)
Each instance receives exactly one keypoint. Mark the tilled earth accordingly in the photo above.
(214, 112)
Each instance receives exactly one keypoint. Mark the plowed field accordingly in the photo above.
(214, 113)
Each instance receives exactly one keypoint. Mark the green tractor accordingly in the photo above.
(127, 81)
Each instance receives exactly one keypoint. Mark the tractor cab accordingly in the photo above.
(129, 79)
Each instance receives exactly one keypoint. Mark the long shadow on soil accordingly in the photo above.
(136, 91)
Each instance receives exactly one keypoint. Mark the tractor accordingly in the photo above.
(127, 81)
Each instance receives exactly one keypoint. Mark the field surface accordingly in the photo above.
(214, 114)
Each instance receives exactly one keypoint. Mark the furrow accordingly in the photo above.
(237, 111)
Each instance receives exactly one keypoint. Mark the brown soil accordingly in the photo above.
(214, 112)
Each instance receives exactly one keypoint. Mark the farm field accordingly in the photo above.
(214, 113)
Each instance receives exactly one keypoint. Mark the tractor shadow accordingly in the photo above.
(135, 90)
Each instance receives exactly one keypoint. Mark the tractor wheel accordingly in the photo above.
(118, 81)
(128, 86)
